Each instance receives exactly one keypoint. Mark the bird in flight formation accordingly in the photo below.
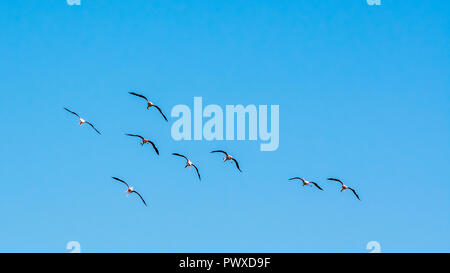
(145, 141)
(149, 103)
(188, 164)
(307, 183)
(82, 121)
(227, 158)
(344, 187)
(310, 183)
(130, 190)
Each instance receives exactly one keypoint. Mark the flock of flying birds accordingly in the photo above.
(130, 189)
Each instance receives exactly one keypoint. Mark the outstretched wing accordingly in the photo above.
(197, 172)
(131, 135)
(237, 164)
(355, 193)
(93, 127)
(120, 180)
(140, 197)
(294, 178)
(220, 151)
(72, 112)
(180, 155)
(159, 109)
(334, 179)
(138, 95)
(315, 184)
(154, 147)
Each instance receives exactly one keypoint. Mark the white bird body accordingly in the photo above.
(82, 121)
(344, 187)
(228, 158)
(189, 163)
(149, 103)
(307, 183)
(130, 190)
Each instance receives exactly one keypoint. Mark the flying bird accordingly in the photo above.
(130, 190)
(228, 157)
(149, 103)
(344, 187)
(82, 121)
(307, 183)
(145, 141)
(188, 164)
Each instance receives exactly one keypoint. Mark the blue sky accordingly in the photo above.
(363, 94)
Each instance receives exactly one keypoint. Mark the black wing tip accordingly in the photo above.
(334, 179)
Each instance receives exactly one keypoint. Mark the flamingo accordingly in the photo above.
(82, 121)
(145, 141)
(188, 164)
(149, 103)
(307, 183)
(130, 190)
(344, 187)
(227, 158)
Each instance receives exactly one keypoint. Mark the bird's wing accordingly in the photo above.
(355, 193)
(334, 179)
(197, 172)
(220, 151)
(315, 184)
(72, 112)
(139, 95)
(154, 147)
(237, 164)
(120, 180)
(140, 197)
(293, 178)
(93, 127)
(159, 109)
(135, 136)
(177, 154)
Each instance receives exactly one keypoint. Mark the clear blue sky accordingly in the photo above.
(363, 94)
